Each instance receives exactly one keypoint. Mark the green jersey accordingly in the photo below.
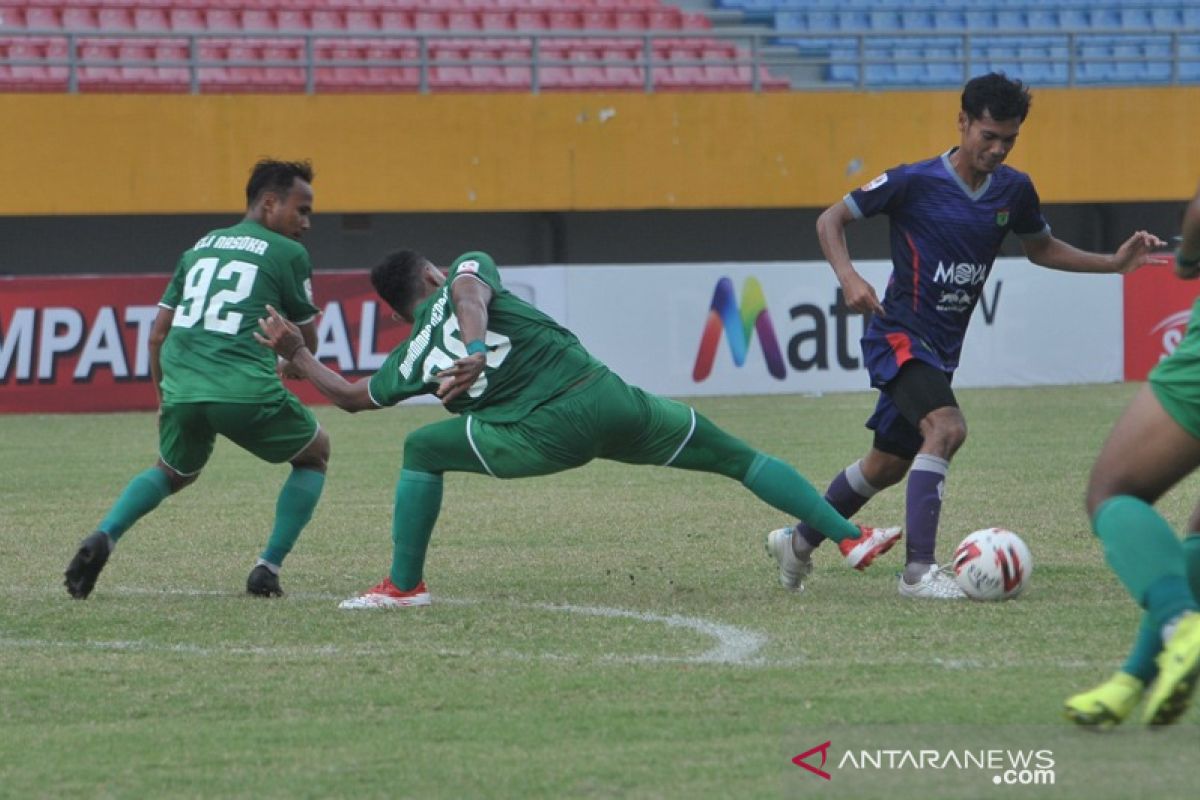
(530, 357)
(220, 289)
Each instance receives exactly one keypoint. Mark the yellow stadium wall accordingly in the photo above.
(133, 154)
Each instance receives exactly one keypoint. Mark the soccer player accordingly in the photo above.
(1153, 446)
(213, 378)
(530, 401)
(948, 216)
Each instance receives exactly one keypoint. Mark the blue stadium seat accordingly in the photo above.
(1044, 18)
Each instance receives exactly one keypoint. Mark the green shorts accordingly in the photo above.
(603, 418)
(275, 432)
(1176, 383)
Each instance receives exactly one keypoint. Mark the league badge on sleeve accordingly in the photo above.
(875, 183)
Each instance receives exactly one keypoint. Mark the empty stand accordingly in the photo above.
(243, 46)
(938, 42)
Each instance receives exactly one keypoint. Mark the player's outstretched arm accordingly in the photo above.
(831, 233)
(288, 342)
(1053, 253)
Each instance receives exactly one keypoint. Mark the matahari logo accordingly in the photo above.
(824, 750)
(740, 326)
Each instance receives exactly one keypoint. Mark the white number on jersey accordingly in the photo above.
(499, 346)
(196, 285)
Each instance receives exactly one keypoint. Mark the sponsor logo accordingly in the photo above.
(823, 749)
(957, 300)
(823, 336)
(740, 325)
(1009, 767)
(963, 274)
(65, 344)
(1170, 331)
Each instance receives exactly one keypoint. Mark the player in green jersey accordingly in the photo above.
(213, 378)
(1154, 445)
(531, 401)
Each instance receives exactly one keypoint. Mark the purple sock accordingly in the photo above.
(848, 492)
(923, 501)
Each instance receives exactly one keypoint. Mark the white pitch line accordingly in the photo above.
(732, 645)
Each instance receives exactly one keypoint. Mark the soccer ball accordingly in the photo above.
(992, 564)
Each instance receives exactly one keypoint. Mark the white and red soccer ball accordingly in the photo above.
(992, 564)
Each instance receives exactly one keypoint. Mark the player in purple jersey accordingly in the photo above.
(948, 216)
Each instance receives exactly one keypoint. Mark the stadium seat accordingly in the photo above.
(39, 18)
(327, 19)
(33, 76)
(257, 19)
(185, 20)
(362, 19)
(292, 19)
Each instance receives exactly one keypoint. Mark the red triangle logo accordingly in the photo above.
(800, 762)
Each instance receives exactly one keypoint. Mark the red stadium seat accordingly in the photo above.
(36, 77)
(461, 21)
(529, 21)
(115, 19)
(327, 20)
(362, 19)
(620, 71)
(449, 75)
(151, 19)
(292, 19)
(286, 71)
(394, 19)
(185, 19)
(222, 19)
(79, 18)
(98, 70)
(43, 19)
(428, 21)
(171, 56)
(258, 19)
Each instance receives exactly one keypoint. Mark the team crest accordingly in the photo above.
(1002, 218)
(875, 183)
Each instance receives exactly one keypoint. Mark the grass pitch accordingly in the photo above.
(612, 631)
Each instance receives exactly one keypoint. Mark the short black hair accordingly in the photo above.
(397, 279)
(269, 175)
(1003, 97)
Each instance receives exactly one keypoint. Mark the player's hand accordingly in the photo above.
(279, 334)
(860, 295)
(460, 377)
(1137, 251)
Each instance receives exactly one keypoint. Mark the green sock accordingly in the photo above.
(418, 501)
(781, 486)
(141, 496)
(1191, 562)
(1142, 550)
(294, 508)
(1146, 648)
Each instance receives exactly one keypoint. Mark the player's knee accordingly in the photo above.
(176, 481)
(945, 430)
(1101, 487)
(316, 455)
(421, 451)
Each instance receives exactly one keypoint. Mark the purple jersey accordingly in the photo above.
(944, 239)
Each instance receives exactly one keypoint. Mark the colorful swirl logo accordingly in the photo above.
(740, 325)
